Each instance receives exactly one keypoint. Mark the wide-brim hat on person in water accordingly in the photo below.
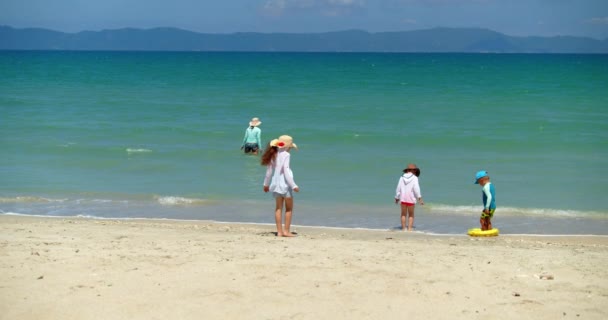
(286, 141)
(255, 122)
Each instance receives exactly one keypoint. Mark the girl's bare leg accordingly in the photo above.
(278, 213)
(411, 218)
(403, 216)
(288, 214)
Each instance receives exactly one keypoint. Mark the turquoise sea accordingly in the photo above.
(157, 135)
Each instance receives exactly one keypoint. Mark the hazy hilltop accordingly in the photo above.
(172, 39)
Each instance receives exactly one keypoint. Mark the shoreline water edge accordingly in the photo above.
(384, 218)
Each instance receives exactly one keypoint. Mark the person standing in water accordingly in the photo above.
(253, 137)
(408, 193)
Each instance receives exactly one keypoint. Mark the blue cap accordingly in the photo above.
(479, 175)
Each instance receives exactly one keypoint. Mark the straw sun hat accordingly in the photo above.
(255, 122)
(283, 141)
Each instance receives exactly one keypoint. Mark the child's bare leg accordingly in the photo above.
(482, 223)
(288, 214)
(278, 213)
(403, 216)
(411, 218)
(487, 225)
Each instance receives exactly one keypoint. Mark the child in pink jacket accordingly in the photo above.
(408, 191)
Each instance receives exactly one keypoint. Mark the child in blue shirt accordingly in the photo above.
(488, 197)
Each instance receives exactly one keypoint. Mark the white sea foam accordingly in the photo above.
(67, 145)
(81, 216)
(180, 201)
(133, 150)
(512, 211)
(28, 199)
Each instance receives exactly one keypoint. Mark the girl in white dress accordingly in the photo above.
(279, 180)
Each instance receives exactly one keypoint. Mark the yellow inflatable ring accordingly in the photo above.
(476, 232)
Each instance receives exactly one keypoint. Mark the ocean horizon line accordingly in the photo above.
(438, 39)
(315, 52)
(352, 30)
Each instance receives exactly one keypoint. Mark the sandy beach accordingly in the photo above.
(72, 268)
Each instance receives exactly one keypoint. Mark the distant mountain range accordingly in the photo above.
(172, 39)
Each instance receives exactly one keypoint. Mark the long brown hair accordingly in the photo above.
(269, 154)
(415, 171)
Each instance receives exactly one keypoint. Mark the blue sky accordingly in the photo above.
(512, 17)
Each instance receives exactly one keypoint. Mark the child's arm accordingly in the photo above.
(259, 138)
(398, 190)
(268, 174)
(417, 189)
(288, 173)
(244, 139)
(486, 191)
(417, 193)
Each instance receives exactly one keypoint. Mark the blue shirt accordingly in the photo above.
(488, 195)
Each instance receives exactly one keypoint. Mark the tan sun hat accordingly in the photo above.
(286, 141)
(255, 122)
(274, 142)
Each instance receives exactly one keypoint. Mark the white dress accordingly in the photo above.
(282, 181)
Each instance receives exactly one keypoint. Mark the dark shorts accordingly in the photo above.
(251, 147)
